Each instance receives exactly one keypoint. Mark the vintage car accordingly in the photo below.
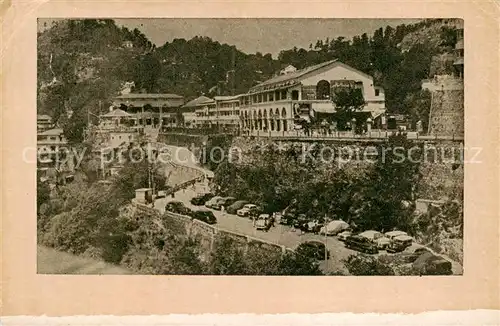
(237, 205)
(177, 207)
(377, 238)
(247, 210)
(392, 234)
(430, 264)
(201, 199)
(225, 201)
(211, 203)
(399, 243)
(334, 227)
(204, 216)
(356, 242)
(342, 236)
(262, 222)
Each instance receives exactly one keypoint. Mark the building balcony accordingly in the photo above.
(46, 142)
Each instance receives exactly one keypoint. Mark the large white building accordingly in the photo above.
(275, 104)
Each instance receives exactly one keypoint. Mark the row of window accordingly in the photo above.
(55, 138)
(228, 105)
(214, 114)
(129, 137)
(273, 113)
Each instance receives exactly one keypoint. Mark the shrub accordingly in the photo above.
(365, 265)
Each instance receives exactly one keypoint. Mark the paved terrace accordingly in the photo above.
(299, 135)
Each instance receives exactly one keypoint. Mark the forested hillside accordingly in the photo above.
(83, 63)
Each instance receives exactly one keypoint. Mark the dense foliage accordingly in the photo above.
(370, 194)
(84, 216)
(82, 64)
(361, 265)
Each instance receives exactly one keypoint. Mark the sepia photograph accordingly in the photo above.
(250, 146)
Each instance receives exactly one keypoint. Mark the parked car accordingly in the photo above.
(411, 257)
(376, 237)
(314, 226)
(392, 234)
(226, 201)
(248, 210)
(212, 201)
(362, 244)
(334, 227)
(287, 219)
(262, 222)
(399, 243)
(177, 207)
(300, 221)
(201, 199)
(313, 249)
(237, 205)
(430, 264)
(204, 216)
(342, 236)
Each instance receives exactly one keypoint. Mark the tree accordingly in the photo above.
(419, 106)
(135, 174)
(347, 101)
(362, 265)
(227, 258)
(42, 192)
(379, 204)
(74, 127)
(295, 264)
(261, 261)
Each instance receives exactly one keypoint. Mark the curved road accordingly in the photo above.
(280, 234)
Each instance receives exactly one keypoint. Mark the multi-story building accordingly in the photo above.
(196, 112)
(50, 145)
(459, 52)
(205, 113)
(227, 111)
(275, 104)
(43, 122)
(151, 110)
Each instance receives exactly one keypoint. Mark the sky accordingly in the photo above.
(252, 35)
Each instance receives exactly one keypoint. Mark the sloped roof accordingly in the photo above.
(199, 101)
(295, 76)
(147, 95)
(43, 117)
(52, 132)
(116, 113)
(226, 98)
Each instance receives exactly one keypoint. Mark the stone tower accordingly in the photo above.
(447, 103)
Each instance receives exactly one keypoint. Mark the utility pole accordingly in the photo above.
(326, 240)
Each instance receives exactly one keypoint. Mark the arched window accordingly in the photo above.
(323, 90)
(264, 120)
(285, 123)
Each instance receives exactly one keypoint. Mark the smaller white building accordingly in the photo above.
(50, 144)
(43, 122)
(288, 69)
